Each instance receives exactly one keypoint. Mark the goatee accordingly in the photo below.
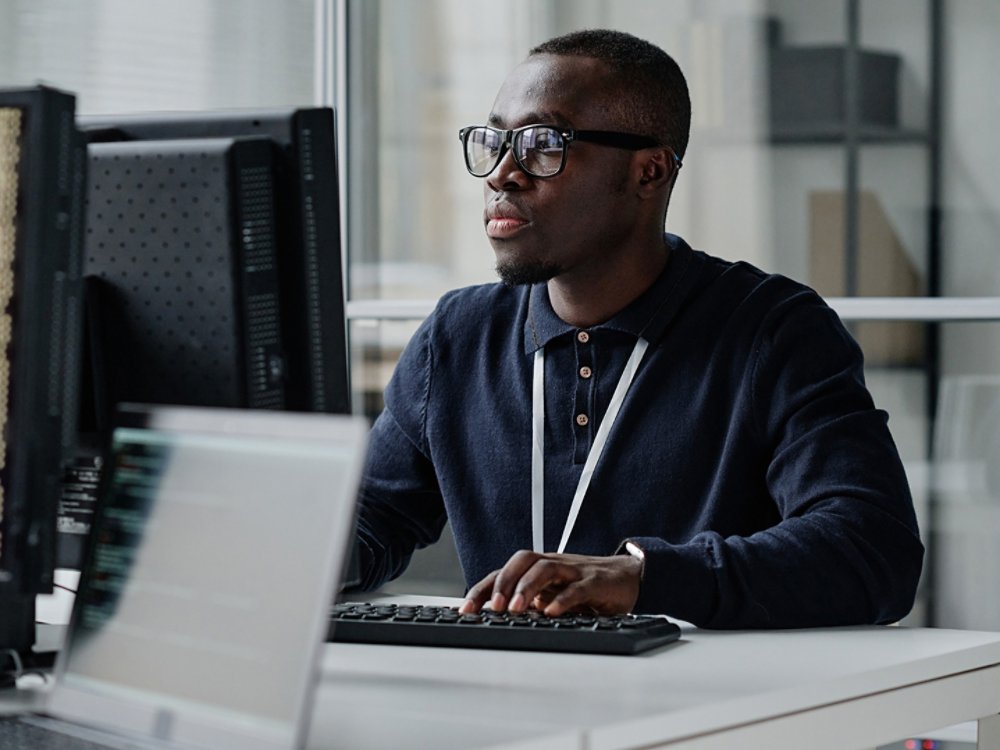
(516, 274)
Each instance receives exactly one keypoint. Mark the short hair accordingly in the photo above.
(654, 96)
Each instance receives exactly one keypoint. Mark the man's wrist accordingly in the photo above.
(636, 552)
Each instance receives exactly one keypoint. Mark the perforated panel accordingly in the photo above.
(168, 224)
(309, 264)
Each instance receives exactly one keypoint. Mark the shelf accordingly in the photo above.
(834, 134)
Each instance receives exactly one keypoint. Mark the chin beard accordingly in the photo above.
(517, 274)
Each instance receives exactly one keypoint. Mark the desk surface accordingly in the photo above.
(855, 686)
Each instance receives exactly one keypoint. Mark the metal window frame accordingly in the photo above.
(923, 309)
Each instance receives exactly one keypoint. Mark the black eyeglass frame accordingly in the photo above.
(628, 141)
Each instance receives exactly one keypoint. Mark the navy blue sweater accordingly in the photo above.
(748, 460)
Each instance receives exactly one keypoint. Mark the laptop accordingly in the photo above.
(205, 597)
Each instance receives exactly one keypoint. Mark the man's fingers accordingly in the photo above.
(609, 587)
(573, 598)
(545, 574)
(498, 587)
(508, 581)
(542, 599)
(556, 584)
(479, 594)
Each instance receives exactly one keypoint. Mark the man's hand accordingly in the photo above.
(554, 584)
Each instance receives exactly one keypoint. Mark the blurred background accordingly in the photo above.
(849, 144)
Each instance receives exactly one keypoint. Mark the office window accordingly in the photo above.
(766, 167)
(893, 195)
(126, 56)
(895, 203)
(963, 488)
(776, 174)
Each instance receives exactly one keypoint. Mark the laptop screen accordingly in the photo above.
(204, 599)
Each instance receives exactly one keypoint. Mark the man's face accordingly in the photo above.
(571, 223)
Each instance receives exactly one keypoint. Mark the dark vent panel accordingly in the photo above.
(309, 263)
(181, 235)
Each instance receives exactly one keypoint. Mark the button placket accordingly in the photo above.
(583, 407)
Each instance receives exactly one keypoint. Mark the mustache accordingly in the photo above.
(506, 209)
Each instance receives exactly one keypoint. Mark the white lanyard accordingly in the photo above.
(538, 446)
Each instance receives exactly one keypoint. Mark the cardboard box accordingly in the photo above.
(883, 270)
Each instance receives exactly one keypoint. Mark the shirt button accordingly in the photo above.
(582, 419)
(586, 372)
(583, 337)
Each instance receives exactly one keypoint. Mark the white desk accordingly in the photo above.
(837, 688)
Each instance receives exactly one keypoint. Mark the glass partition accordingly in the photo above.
(873, 176)
(838, 143)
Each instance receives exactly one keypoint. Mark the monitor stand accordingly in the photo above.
(17, 633)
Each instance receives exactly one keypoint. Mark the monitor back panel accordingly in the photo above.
(181, 240)
(309, 232)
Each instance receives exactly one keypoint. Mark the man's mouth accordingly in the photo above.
(504, 226)
(504, 221)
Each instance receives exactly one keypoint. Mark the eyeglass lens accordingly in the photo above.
(538, 150)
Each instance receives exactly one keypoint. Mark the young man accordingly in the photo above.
(627, 424)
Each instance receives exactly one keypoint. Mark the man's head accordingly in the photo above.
(650, 94)
(610, 197)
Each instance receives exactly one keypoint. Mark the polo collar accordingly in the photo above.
(647, 316)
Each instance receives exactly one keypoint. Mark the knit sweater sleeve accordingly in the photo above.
(846, 550)
(400, 506)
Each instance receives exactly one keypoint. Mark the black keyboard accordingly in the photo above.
(34, 733)
(362, 622)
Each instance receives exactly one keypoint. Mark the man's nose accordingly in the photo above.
(508, 174)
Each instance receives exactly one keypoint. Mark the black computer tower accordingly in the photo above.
(181, 263)
(309, 249)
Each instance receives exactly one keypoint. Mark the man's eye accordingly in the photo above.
(544, 142)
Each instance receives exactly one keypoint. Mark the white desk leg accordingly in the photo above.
(989, 733)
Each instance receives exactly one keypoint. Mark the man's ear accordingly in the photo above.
(656, 170)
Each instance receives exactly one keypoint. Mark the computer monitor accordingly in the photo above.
(181, 265)
(213, 274)
(310, 273)
(42, 172)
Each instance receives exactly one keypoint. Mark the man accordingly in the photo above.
(739, 477)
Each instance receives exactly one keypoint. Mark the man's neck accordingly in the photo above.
(585, 300)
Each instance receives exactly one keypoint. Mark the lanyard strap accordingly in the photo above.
(600, 440)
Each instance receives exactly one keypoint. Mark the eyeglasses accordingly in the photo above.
(539, 150)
